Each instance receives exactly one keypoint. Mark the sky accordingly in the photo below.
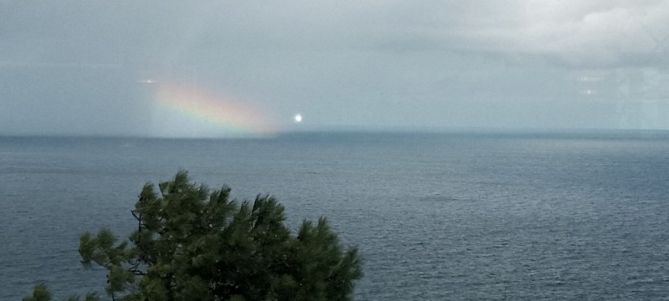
(247, 68)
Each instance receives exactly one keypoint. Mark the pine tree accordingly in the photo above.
(192, 243)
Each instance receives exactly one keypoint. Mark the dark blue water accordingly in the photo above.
(436, 216)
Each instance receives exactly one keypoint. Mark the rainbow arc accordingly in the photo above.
(228, 113)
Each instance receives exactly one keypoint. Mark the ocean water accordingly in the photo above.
(436, 216)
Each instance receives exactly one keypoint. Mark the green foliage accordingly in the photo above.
(41, 293)
(195, 244)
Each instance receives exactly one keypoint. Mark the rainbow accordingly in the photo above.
(232, 116)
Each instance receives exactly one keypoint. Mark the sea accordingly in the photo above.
(436, 216)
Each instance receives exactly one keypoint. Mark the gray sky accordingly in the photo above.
(221, 68)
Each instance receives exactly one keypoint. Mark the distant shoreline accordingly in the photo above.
(456, 132)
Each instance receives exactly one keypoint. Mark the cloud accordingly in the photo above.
(576, 33)
(597, 33)
(346, 62)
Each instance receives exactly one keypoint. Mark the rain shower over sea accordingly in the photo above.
(436, 216)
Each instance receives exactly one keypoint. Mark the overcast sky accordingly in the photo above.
(98, 67)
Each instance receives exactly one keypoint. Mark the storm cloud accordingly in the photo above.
(89, 67)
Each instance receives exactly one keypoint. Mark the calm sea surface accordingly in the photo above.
(436, 216)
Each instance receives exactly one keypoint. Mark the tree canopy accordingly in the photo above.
(192, 243)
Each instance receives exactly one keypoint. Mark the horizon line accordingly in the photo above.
(349, 130)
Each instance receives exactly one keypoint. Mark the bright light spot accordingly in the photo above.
(147, 81)
(297, 118)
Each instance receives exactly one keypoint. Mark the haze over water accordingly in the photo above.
(436, 216)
